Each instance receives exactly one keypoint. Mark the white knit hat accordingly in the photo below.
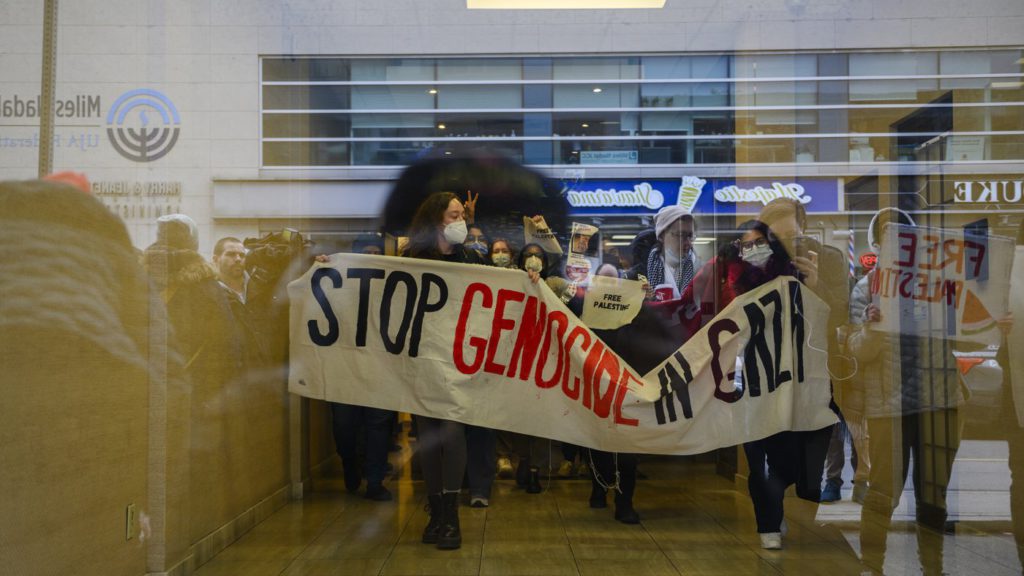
(178, 230)
(666, 216)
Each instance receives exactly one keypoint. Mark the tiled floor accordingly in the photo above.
(694, 522)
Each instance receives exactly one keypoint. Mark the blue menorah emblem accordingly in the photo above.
(136, 136)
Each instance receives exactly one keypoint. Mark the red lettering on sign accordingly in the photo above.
(589, 368)
(609, 365)
(906, 242)
(559, 318)
(499, 325)
(620, 397)
(531, 329)
(577, 332)
(460, 329)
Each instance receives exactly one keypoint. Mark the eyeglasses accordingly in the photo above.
(751, 244)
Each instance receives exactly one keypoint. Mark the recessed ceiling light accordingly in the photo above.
(432, 91)
(441, 126)
(585, 125)
(597, 90)
(562, 4)
(575, 152)
(447, 153)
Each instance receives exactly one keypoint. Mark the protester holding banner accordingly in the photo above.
(672, 262)
(739, 266)
(437, 232)
(911, 395)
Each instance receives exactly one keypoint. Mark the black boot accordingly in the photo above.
(598, 496)
(450, 536)
(624, 511)
(534, 485)
(433, 530)
(353, 477)
(523, 473)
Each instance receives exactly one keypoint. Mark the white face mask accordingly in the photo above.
(502, 260)
(533, 264)
(455, 233)
(757, 256)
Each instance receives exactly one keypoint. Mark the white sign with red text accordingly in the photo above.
(943, 283)
(485, 346)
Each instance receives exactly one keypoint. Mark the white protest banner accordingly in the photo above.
(942, 282)
(537, 232)
(612, 302)
(488, 347)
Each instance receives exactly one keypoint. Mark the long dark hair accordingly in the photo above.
(507, 192)
(780, 263)
(423, 229)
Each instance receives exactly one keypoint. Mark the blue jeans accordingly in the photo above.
(346, 422)
(481, 460)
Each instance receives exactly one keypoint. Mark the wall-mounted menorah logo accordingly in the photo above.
(143, 125)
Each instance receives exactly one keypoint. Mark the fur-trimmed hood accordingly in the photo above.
(176, 267)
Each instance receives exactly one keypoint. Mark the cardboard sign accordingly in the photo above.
(943, 283)
(538, 233)
(612, 302)
(486, 346)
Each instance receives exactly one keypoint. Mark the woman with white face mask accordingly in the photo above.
(437, 232)
(751, 260)
(501, 254)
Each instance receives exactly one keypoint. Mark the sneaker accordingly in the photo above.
(565, 470)
(860, 490)
(771, 541)
(830, 494)
(479, 502)
(505, 468)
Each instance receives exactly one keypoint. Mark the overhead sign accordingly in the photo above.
(609, 157)
(488, 347)
(1001, 191)
(700, 195)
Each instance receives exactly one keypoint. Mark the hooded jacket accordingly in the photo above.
(900, 373)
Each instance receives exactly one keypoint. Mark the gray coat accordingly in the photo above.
(900, 373)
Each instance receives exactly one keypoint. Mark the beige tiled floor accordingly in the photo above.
(694, 522)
